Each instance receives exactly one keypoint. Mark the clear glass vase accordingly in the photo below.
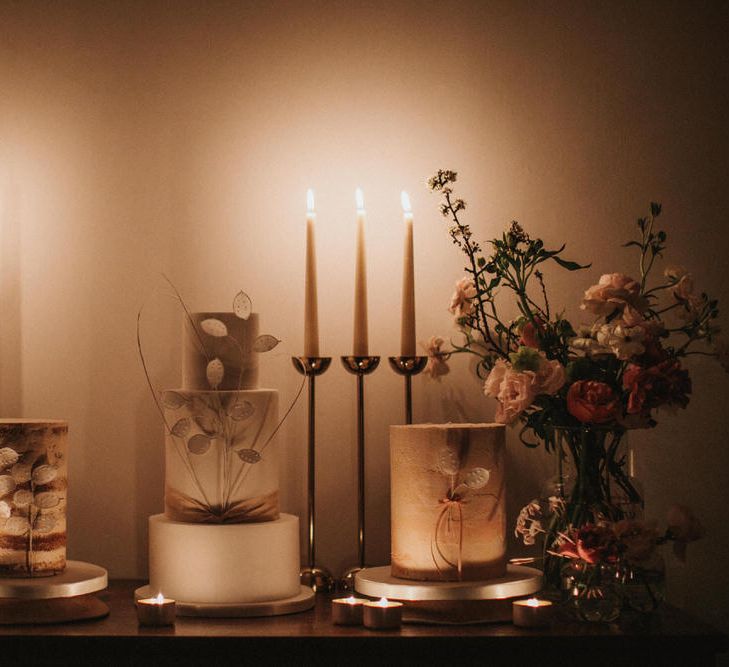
(643, 587)
(592, 592)
(592, 484)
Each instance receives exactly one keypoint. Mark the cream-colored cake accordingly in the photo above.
(448, 495)
(33, 492)
(222, 539)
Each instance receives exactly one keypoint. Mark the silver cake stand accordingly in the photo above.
(458, 602)
(293, 605)
(67, 596)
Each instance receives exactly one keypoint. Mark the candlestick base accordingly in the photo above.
(311, 365)
(408, 365)
(360, 365)
(319, 579)
(347, 580)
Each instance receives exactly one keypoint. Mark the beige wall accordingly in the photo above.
(137, 138)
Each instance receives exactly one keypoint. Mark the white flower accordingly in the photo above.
(586, 343)
(675, 272)
(462, 299)
(436, 365)
(623, 341)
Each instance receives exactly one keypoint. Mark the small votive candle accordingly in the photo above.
(531, 613)
(347, 611)
(156, 611)
(383, 615)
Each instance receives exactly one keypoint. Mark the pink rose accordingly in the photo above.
(550, 377)
(615, 291)
(462, 299)
(515, 390)
(436, 365)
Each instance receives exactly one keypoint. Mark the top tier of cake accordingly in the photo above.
(235, 351)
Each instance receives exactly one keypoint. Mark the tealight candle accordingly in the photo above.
(156, 611)
(347, 611)
(383, 615)
(531, 613)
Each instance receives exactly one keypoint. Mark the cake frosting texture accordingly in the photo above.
(33, 491)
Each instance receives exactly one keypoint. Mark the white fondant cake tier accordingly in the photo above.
(234, 350)
(224, 564)
(220, 460)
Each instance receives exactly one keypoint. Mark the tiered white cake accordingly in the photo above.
(222, 539)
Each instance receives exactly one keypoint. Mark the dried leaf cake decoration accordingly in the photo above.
(448, 462)
(44, 474)
(8, 457)
(5, 510)
(241, 410)
(16, 525)
(214, 327)
(173, 400)
(181, 427)
(46, 500)
(22, 498)
(265, 342)
(44, 523)
(7, 485)
(215, 372)
(249, 455)
(209, 424)
(242, 305)
(477, 478)
(198, 444)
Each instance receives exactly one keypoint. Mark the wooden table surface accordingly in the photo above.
(670, 637)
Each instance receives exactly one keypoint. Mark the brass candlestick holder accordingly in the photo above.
(407, 367)
(359, 366)
(317, 578)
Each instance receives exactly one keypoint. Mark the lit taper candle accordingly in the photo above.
(361, 346)
(311, 308)
(407, 332)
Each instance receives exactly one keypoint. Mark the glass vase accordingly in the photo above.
(591, 484)
(592, 592)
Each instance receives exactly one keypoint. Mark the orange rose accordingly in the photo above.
(592, 402)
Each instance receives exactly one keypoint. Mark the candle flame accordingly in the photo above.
(359, 198)
(405, 201)
(351, 600)
(310, 201)
(159, 599)
(383, 602)
(533, 602)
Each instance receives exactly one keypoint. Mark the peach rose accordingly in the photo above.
(614, 291)
(436, 365)
(550, 377)
(462, 299)
(593, 402)
(515, 390)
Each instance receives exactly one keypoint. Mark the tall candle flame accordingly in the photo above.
(159, 599)
(310, 201)
(359, 198)
(405, 201)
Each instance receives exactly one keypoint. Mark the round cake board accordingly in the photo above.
(452, 602)
(63, 597)
(303, 601)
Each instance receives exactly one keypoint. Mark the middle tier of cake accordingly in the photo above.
(220, 455)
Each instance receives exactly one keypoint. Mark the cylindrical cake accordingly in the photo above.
(33, 490)
(448, 496)
(224, 564)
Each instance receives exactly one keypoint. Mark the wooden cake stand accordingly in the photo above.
(63, 597)
(456, 602)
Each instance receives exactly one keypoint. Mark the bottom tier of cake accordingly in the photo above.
(224, 563)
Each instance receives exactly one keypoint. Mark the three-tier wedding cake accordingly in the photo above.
(222, 539)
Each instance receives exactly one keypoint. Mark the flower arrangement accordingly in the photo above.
(615, 370)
